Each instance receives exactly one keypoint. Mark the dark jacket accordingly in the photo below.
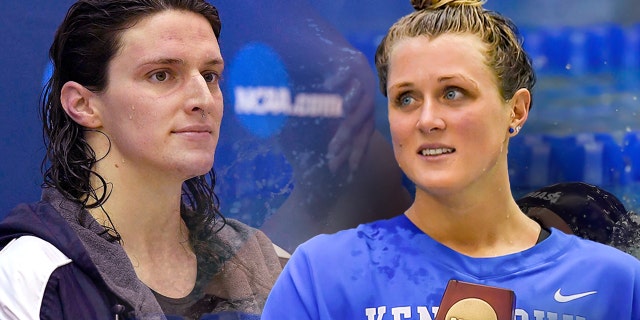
(98, 281)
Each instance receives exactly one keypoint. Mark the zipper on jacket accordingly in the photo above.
(117, 309)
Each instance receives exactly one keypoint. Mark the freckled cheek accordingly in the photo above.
(400, 149)
(398, 153)
(401, 134)
(396, 126)
(396, 141)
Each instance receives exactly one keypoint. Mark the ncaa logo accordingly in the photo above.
(261, 97)
(259, 89)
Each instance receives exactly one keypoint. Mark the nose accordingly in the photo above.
(200, 96)
(430, 119)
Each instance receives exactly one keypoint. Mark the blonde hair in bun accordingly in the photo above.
(504, 52)
(435, 4)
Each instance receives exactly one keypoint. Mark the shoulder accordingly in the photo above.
(371, 231)
(356, 243)
(597, 248)
(250, 247)
(43, 256)
(237, 233)
(24, 277)
(27, 216)
(588, 253)
(588, 262)
(36, 219)
(251, 266)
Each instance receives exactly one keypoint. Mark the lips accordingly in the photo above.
(436, 151)
(194, 129)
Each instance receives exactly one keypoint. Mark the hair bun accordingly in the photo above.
(435, 4)
(421, 4)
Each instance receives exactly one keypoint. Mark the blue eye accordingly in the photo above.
(452, 93)
(404, 100)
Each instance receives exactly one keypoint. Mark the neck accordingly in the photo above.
(154, 237)
(475, 226)
(144, 212)
(144, 208)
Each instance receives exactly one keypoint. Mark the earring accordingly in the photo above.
(511, 130)
(518, 129)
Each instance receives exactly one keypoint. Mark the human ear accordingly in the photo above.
(77, 102)
(520, 105)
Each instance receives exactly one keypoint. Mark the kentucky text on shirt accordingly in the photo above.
(422, 313)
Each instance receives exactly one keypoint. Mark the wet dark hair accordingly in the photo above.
(83, 46)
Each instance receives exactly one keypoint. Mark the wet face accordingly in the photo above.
(448, 123)
(162, 106)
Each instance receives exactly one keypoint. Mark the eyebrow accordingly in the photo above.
(172, 61)
(441, 79)
(401, 85)
(458, 75)
(215, 62)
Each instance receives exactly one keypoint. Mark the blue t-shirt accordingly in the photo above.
(391, 270)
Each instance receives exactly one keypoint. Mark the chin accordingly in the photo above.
(203, 172)
(441, 186)
(196, 168)
(205, 169)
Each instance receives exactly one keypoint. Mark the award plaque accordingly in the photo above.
(470, 301)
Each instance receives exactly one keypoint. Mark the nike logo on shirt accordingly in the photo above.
(562, 298)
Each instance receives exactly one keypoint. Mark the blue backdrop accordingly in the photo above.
(295, 82)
